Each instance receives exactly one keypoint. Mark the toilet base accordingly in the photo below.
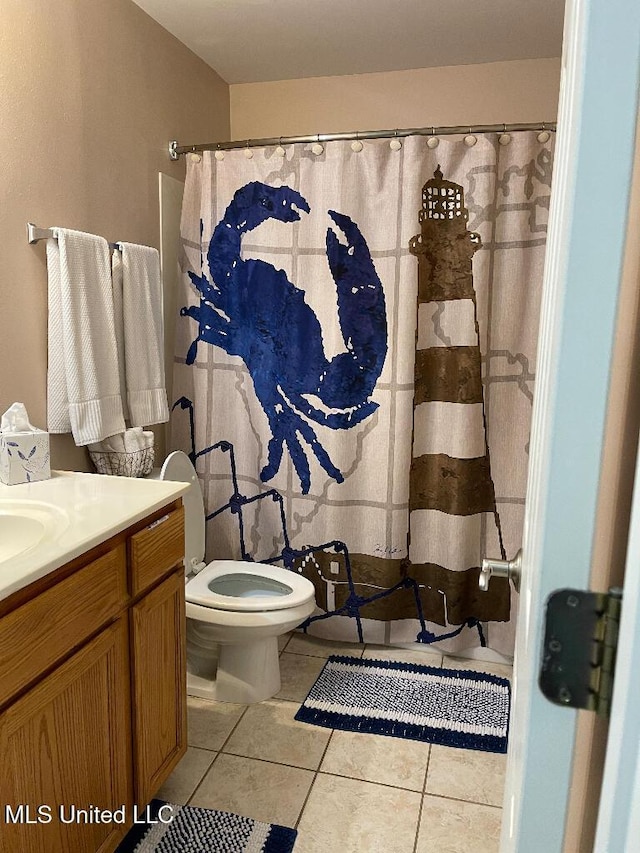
(246, 673)
(203, 688)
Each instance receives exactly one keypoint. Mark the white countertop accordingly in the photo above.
(79, 511)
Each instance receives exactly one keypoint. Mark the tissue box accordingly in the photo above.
(24, 457)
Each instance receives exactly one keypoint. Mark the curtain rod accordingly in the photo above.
(175, 150)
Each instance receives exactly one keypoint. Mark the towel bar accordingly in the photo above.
(34, 233)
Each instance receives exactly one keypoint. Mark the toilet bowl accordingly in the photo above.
(236, 610)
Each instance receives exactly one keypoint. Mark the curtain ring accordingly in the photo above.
(219, 154)
(248, 153)
(395, 144)
(544, 135)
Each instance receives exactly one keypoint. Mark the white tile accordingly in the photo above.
(450, 826)
(466, 774)
(186, 776)
(349, 816)
(304, 644)
(376, 758)
(298, 674)
(210, 723)
(257, 789)
(269, 731)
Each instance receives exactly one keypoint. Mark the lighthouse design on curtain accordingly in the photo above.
(451, 490)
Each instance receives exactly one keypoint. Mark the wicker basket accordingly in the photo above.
(137, 463)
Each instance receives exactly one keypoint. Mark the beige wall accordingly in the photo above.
(90, 95)
(492, 93)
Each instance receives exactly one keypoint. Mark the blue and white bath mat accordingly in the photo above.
(187, 829)
(445, 706)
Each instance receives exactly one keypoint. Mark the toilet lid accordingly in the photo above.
(177, 466)
(244, 586)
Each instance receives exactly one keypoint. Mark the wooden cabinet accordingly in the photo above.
(66, 742)
(156, 549)
(158, 646)
(93, 691)
(46, 628)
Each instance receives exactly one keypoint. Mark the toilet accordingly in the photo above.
(235, 610)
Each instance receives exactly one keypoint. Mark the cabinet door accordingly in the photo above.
(159, 685)
(65, 745)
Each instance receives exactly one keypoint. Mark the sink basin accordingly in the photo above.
(24, 525)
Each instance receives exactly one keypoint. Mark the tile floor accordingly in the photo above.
(344, 792)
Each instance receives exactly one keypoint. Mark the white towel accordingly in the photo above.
(116, 281)
(83, 392)
(138, 270)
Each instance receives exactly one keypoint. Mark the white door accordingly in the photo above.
(594, 154)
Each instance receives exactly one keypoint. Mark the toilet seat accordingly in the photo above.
(282, 588)
(274, 588)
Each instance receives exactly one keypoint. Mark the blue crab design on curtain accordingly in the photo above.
(252, 310)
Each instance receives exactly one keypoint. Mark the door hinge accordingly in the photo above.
(580, 646)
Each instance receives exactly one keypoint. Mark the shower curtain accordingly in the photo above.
(354, 372)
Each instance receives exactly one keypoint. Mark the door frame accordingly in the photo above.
(587, 229)
(619, 814)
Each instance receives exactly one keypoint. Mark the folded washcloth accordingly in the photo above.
(83, 390)
(136, 273)
(129, 441)
(115, 442)
(134, 440)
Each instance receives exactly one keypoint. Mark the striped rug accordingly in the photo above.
(449, 707)
(169, 828)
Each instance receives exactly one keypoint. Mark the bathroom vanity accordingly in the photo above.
(92, 662)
